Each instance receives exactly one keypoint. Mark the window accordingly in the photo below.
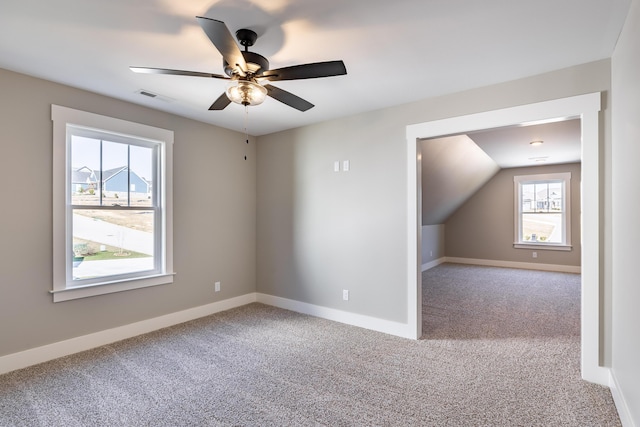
(112, 205)
(543, 211)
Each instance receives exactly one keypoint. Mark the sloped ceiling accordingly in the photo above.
(455, 167)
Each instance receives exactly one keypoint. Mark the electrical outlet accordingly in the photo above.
(535, 254)
(430, 253)
(217, 287)
(345, 294)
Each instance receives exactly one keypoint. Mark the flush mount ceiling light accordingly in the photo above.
(536, 143)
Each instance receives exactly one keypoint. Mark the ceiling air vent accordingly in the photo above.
(154, 95)
(149, 94)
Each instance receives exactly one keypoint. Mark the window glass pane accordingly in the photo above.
(528, 198)
(555, 197)
(140, 175)
(541, 191)
(542, 228)
(112, 242)
(115, 174)
(85, 171)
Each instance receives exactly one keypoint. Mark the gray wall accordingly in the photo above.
(483, 228)
(214, 218)
(320, 231)
(626, 205)
(432, 242)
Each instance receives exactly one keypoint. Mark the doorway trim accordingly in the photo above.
(587, 108)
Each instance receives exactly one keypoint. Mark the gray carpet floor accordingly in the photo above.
(501, 348)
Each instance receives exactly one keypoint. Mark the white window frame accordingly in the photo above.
(63, 117)
(565, 179)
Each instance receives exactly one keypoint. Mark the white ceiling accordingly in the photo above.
(395, 51)
(511, 146)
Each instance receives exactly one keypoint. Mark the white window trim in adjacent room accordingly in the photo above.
(64, 118)
(565, 179)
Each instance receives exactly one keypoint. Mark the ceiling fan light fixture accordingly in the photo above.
(246, 92)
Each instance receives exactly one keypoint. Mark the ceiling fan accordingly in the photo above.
(246, 71)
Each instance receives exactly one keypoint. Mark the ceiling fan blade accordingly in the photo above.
(220, 103)
(288, 98)
(148, 70)
(307, 71)
(219, 34)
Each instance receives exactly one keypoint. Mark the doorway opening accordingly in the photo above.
(587, 108)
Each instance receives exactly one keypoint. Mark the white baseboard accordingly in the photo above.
(427, 265)
(55, 350)
(380, 325)
(515, 264)
(621, 403)
(48, 352)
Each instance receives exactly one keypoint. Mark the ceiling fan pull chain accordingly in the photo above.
(246, 130)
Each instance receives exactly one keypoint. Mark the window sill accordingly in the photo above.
(70, 293)
(543, 246)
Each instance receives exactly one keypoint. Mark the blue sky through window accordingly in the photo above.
(86, 152)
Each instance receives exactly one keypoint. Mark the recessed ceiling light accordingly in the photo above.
(536, 143)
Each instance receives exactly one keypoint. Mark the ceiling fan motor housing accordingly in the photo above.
(255, 63)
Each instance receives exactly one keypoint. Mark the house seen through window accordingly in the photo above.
(543, 211)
